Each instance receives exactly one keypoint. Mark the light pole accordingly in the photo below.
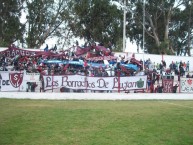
(189, 29)
(143, 31)
(124, 25)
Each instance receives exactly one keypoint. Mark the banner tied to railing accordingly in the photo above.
(95, 83)
(16, 80)
(167, 85)
(186, 85)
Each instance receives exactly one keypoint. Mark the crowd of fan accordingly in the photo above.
(37, 65)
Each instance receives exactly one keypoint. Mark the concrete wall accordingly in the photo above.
(95, 96)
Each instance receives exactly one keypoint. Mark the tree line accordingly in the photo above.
(168, 23)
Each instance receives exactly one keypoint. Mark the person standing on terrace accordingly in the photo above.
(46, 48)
(187, 66)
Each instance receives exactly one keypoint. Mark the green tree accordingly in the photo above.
(44, 19)
(11, 29)
(96, 20)
(181, 29)
(158, 15)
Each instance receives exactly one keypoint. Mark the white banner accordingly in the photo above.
(95, 83)
(32, 77)
(186, 85)
(12, 81)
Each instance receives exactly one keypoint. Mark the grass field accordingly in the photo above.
(43, 122)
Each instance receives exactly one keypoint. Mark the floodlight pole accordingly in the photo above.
(124, 25)
(143, 31)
